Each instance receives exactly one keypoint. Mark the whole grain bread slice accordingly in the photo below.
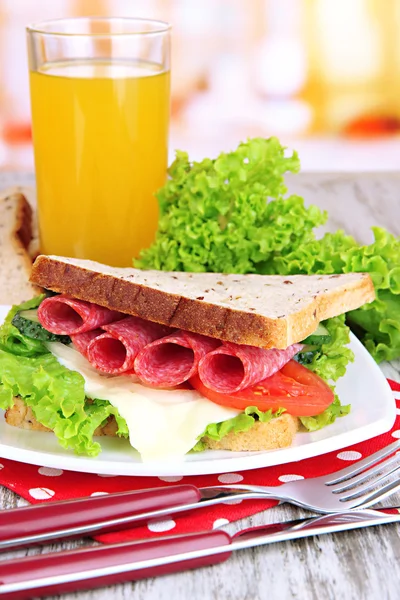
(15, 239)
(260, 310)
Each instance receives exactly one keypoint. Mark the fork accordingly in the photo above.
(352, 487)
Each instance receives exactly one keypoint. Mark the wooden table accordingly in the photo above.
(359, 565)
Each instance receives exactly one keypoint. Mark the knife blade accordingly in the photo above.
(88, 568)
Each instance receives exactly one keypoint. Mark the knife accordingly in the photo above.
(99, 566)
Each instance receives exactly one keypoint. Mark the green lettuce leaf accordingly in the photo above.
(332, 361)
(335, 410)
(379, 327)
(214, 214)
(12, 340)
(56, 396)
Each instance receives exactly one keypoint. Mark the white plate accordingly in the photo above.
(364, 387)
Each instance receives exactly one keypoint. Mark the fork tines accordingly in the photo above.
(361, 479)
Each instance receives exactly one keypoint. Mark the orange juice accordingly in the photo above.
(100, 134)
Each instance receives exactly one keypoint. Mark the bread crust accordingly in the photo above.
(277, 433)
(224, 322)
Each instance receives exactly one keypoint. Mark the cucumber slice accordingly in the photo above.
(35, 331)
(305, 358)
(30, 315)
(320, 336)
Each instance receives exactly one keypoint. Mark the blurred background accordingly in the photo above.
(322, 75)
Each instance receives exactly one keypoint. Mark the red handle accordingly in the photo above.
(44, 519)
(32, 568)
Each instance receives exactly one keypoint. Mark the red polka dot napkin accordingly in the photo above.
(43, 484)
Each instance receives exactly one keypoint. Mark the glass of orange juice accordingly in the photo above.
(100, 98)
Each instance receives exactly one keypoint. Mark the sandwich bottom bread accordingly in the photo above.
(278, 433)
(176, 362)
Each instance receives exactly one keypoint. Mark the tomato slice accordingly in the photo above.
(297, 389)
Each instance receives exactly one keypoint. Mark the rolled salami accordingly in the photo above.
(234, 367)
(173, 359)
(115, 350)
(66, 316)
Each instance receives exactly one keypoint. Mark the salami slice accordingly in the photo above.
(115, 350)
(66, 316)
(81, 341)
(173, 359)
(233, 367)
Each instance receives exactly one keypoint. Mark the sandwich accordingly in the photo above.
(176, 362)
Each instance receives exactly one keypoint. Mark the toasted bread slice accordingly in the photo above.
(15, 239)
(260, 310)
(277, 433)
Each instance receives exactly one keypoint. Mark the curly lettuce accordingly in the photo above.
(330, 414)
(214, 215)
(330, 364)
(331, 361)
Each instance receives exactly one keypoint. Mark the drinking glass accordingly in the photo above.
(100, 98)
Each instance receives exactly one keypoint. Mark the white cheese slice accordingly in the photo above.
(163, 424)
